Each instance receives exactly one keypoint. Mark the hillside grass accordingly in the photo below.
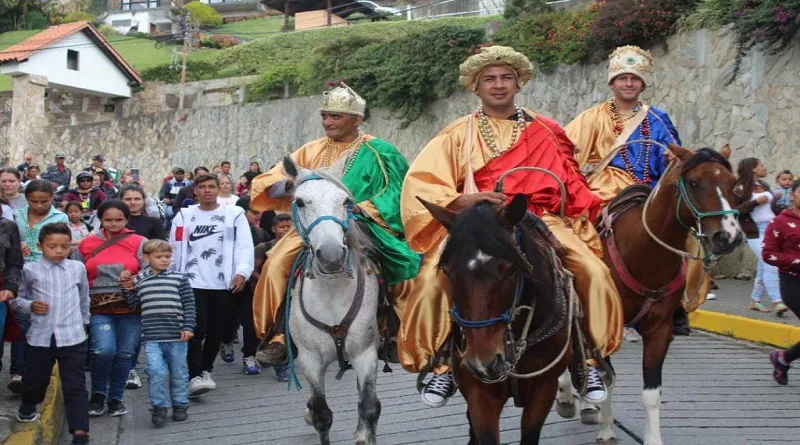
(252, 29)
(298, 48)
(7, 39)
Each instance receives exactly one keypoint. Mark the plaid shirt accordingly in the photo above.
(64, 287)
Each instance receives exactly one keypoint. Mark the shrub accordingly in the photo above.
(195, 70)
(550, 38)
(77, 16)
(515, 8)
(218, 41)
(766, 24)
(634, 22)
(107, 31)
(708, 14)
(407, 74)
(34, 20)
(204, 14)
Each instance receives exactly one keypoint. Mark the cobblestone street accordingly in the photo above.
(716, 391)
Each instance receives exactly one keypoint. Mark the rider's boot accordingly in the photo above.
(680, 322)
(439, 389)
(272, 350)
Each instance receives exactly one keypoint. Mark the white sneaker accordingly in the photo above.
(209, 381)
(439, 390)
(631, 335)
(198, 386)
(711, 296)
(595, 387)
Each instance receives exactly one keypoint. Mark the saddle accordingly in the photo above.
(630, 197)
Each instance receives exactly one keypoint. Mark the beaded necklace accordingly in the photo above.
(486, 130)
(329, 146)
(618, 120)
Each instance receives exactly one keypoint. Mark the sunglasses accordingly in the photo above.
(85, 180)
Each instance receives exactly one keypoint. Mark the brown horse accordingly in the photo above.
(649, 243)
(513, 303)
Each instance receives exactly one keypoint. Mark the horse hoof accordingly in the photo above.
(609, 441)
(565, 410)
(589, 416)
(309, 416)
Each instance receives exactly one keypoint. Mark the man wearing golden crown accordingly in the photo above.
(497, 137)
(625, 118)
(374, 174)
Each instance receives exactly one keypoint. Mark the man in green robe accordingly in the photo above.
(373, 171)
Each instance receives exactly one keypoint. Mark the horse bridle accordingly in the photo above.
(516, 348)
(708, 259)
(339, 331)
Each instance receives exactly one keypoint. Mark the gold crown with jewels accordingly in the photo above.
(630, 59)
(343, 99)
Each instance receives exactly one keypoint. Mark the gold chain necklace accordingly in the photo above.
(329, 143)
(486, 130)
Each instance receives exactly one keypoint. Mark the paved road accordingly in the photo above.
(717, 391)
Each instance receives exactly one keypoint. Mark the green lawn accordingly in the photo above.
(141, 53)
(254, 28)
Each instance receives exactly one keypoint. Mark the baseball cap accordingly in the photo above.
(99, 158)
(60, 156)
(178, 170)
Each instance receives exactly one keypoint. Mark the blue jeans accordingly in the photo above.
(113, 341)
(18, 347)
(166, 367)
(766, 276)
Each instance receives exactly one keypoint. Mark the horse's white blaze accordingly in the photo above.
(479, 260)
(729, 222)
(651, 398)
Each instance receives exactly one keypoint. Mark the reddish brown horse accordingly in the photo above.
(646, 251)
(513, 303)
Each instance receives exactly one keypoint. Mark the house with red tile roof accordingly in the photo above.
(72, 57)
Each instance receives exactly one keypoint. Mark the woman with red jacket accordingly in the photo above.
(782, 250)
(114, 328)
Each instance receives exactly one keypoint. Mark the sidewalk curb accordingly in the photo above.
(46, 430)
(770, 333)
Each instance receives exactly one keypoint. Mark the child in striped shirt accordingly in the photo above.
(168, 322)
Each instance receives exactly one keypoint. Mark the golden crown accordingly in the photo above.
(471, 69)
(343, 99)
(630, 59)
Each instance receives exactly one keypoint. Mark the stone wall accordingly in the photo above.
(758, 113)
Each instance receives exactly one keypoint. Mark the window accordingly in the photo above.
(128, 5)
(72, 60)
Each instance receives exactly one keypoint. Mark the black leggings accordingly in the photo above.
(790, 293)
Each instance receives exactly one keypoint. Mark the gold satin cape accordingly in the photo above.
(270, 290)
(437, 176)
(592, 132)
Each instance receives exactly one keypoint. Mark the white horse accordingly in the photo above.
(336, 300)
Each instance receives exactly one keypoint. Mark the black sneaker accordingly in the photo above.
(116, 408)
(179, 413)
(80, 439)
(27, 413)
(159, 417)
(97, 404)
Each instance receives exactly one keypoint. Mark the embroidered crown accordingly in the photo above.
(343, 99)
(471, 69)
(630, 59)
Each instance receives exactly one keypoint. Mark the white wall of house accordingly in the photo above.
(96, 73)
(123, 21)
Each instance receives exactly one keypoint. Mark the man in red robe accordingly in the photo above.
(498, 137)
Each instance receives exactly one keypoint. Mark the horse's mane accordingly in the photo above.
(358, 237)
(705, 155)
(479, 228)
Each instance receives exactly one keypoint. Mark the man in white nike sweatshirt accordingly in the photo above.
(212, 246)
